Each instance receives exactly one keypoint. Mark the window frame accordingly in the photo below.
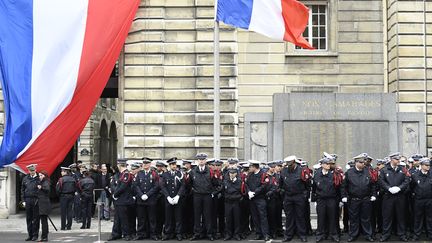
(331, 31)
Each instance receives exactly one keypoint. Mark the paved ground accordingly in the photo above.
(14, 230)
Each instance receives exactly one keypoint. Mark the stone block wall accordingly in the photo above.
(167, 98)
(409, 62)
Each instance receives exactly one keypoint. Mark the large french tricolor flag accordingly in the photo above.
(55, 59)
(278, 19)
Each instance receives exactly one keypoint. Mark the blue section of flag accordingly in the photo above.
(235, 12)
(16, 51)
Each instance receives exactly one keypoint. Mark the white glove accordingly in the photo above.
(392, 190)
(144, 197)
(176, 199)
(341, 204)
(315, 204)
(373, 199)
(170, 200)
(344, 199)
(115, 199)
(397, 189)
(251, 194)
(23, 203)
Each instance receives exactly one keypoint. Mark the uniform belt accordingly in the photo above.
(69, 193)
(358, 199)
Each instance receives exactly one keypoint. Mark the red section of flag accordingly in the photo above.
(107, 27)
(295, 16)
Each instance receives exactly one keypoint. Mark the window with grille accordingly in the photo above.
(316, 30)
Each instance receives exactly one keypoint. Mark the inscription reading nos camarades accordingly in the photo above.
(346, 107)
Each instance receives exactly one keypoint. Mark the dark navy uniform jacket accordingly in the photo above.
(123, 192)
(232, 189)
(203, 182)
(29, 187)
(323, 186)
(291, 183)
(390, 177)
(86, 186)
(146, 183)
(257, 182)
(421, 185)
(66, 185)
(358, 184)
(172, 184)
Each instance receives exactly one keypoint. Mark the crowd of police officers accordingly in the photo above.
(210, 199)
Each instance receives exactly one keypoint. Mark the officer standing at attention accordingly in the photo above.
(66, 188)
(173, 188)
(203, 185)
(256, 189)
(394, 181)
(232, 186)
(86, 186)
(123, 198)
(325, 191)
(161, 167)
(358, 191)
(245, 227)
(29, 196)
(273, 198)
(421, 185)
(294, 183)
(146, 186)
(187, 201)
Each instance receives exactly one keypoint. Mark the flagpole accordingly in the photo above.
(216, 91)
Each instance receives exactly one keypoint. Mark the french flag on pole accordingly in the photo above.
(278, 19)
(55, 59)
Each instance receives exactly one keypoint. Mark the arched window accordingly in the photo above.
(112, 144)
(103, 143)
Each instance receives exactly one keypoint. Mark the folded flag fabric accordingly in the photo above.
(55, 59)
(278, 19)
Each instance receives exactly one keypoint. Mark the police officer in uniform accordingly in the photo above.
(203, 186)
(421, 185)
(232, 186)
(394, 180)
(218, 202)
(413, 167)
(76, 174)
(188, 200)
(146, 186)
(122, 194)
(66, 188)
(326, 192)
(377, 209)
(29, 196)
(161, 167)
(256, 189)
(294, 182)
(358, 191)
(86, 186)
(173, 189)
(273, 198)
(245, 227)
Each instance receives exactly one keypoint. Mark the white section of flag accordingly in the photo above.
(267, 18)
(58, 36)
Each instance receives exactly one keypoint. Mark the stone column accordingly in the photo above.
(7, 192)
